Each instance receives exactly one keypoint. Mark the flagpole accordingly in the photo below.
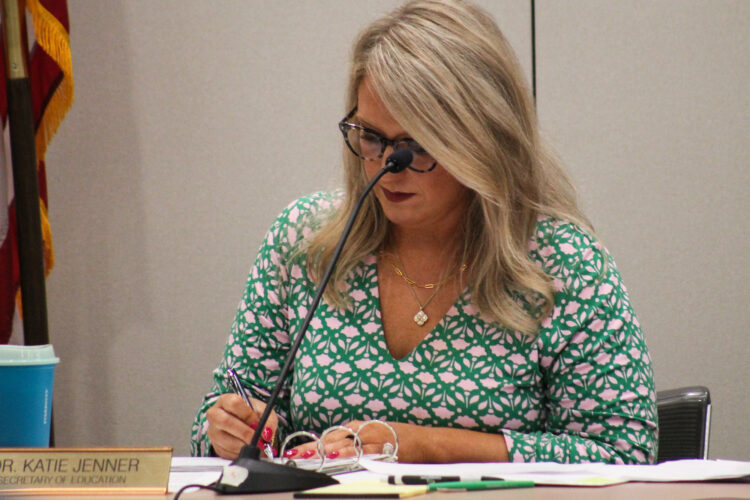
(25, 177)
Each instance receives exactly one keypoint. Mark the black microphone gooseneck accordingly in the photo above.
(264, 477)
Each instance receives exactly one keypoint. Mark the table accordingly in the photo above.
(628, 491)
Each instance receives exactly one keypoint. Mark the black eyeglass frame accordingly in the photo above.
(345, 126)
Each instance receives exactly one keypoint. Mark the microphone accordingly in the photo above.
(398, 161)
(249, 474)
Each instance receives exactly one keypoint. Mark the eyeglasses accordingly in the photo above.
(370, 145)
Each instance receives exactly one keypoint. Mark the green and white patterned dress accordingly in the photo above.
(581, 391)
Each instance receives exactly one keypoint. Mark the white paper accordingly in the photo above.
(194, 470)
(360, 475)
(553, 473)
(201, 464)
(332, 465)
(206, 470)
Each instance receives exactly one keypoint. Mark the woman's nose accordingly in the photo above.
(388, 151)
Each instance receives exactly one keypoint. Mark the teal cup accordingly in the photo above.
(27, 376)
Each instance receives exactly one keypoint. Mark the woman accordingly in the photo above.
(472, 309)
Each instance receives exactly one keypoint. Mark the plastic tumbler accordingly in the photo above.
(26, 380)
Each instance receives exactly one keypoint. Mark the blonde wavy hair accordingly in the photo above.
(448, 76)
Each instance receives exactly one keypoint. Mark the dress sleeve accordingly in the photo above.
(599, 394)
(259, 338)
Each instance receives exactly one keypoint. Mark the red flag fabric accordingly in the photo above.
(51, 78)
(8, 285)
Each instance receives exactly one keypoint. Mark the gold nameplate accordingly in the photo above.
(65, 470)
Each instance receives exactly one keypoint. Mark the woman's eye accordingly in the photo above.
(414, 147)
(370, 138)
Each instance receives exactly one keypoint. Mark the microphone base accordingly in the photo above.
(248, 475)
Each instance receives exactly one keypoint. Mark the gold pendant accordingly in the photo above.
(420, 318)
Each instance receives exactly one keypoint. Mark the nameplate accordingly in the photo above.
(65, 470)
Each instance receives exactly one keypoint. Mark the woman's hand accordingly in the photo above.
(375, 439)
(415, 443)
(231, 425)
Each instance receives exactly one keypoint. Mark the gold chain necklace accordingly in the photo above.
(412, 283)
(420, 318)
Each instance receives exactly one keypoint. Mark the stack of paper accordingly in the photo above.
(194, 470)
(574, 474)
(187, 470)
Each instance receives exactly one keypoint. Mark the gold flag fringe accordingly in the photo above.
(47, 253)
(52, 36)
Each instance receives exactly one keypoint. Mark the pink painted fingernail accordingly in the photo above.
(268, 434)
(290, 453)
(254, 425)
(333, 454)
(308, 454)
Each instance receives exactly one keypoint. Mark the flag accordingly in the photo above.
(8, 284)
(51, 79)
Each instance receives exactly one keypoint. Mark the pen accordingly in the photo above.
(409, 479)
(479, 485)
(234, 381)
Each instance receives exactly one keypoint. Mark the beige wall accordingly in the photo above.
(648, 103)
(196, 122)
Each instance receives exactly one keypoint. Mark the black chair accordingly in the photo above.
(684, 423)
